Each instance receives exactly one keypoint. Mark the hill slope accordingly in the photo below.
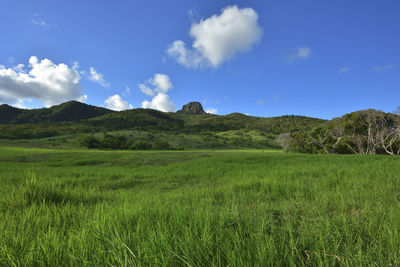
(139, 126)
(69, 111)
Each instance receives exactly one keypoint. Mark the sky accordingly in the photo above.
(258, 57)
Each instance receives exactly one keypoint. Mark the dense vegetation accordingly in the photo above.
(121, 142)
(362, 132)
(146, 128)
(203, 208)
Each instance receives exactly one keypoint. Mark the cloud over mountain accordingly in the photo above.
(158, 87)
(41, 80)
(218, 38)
(116, 103)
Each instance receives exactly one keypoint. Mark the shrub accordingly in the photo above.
(140, 145)
(115, 142)
(160, 145)
(89, 141)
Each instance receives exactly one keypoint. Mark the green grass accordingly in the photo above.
(197, 208)
(233, 139)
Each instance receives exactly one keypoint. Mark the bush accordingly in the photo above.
(115, 142)
(89, 141)
(161, 145)
(140, 145)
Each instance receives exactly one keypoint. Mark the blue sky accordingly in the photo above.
(263, 58)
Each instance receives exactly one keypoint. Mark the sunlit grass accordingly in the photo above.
(197, 208)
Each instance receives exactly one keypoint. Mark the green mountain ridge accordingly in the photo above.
(68, 111)
(74, 111)
(151, 128)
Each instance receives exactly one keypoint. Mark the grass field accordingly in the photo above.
(197, 208)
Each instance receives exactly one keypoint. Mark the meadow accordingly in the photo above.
(197, 208)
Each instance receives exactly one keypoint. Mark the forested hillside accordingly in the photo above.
(144, 127)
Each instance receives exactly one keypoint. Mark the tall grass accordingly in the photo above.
(238, 208)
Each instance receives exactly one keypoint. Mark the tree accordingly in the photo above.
(361, 132)
(284, 141)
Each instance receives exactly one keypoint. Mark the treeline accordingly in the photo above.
(237, 121)
(121, 142)
(361, 132)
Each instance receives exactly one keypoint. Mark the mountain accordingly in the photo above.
(190, 129)
(69, 111)
(236, 121)
(8, 113)
(194, 108)
(138, 119)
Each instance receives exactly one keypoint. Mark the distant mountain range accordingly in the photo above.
(76, 117)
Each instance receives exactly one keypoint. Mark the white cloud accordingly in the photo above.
(116, 103)
(383, 68)
(303, 52)
(41, 80)
(19, 68)
(186, 57)
(146, 90)
(161, 84)
(212, 110)
(160, 102)
(261, 101)
(82, 98)
(97, 77)
(218, 38)
(20, 104)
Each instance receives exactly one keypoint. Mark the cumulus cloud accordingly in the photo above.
(158, 87)
(303, 52)
(212, 110)
(383, 68)
(116, 103)
(161, 82)
(97, 77)
(218, 38)
(146, 90)
(41, 80)
(160, 102)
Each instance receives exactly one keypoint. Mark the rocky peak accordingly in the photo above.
(192, 108)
